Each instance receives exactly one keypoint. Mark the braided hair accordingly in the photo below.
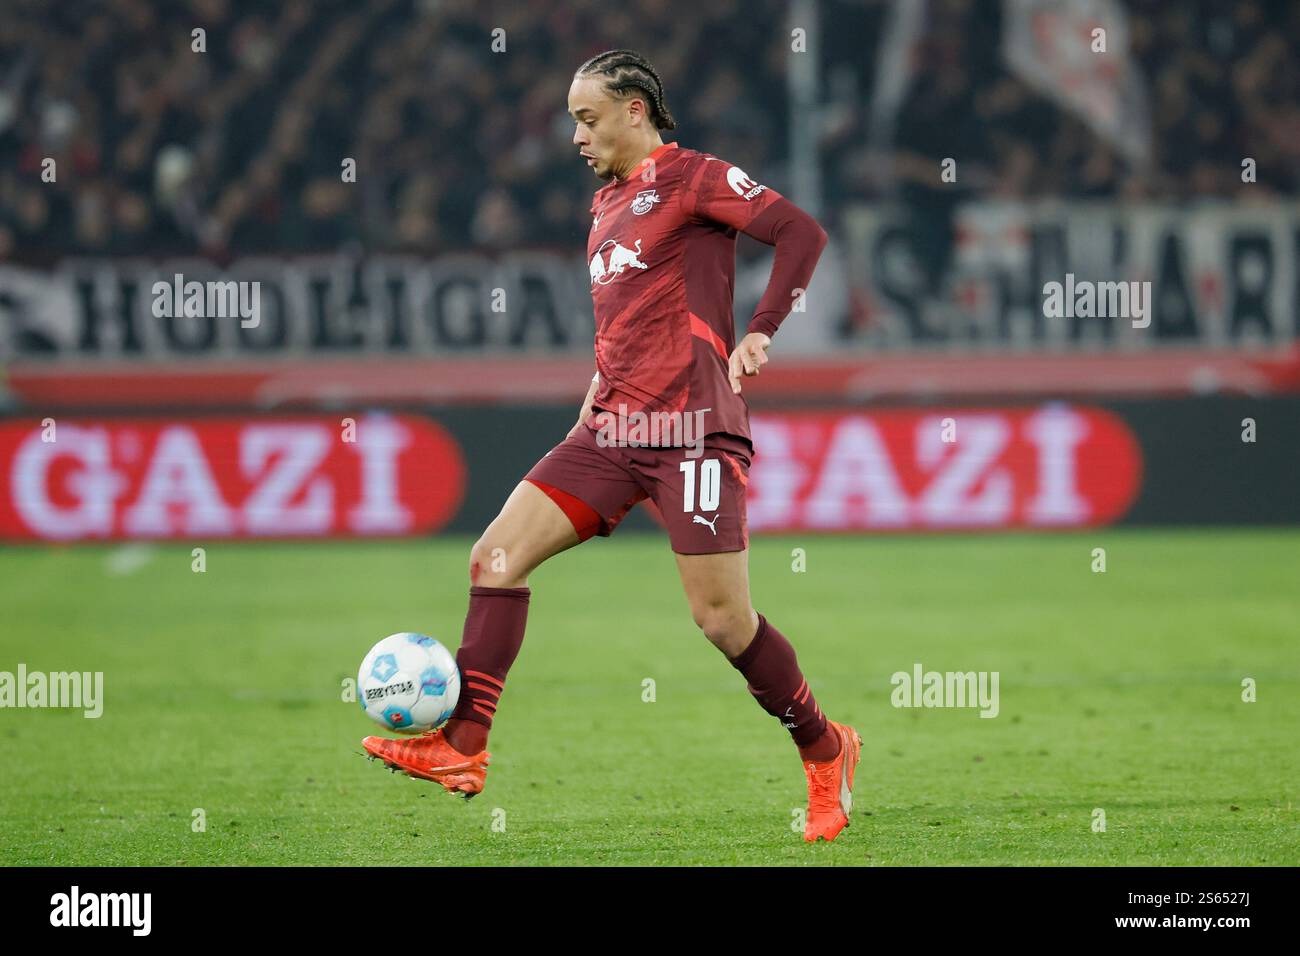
(629, 72)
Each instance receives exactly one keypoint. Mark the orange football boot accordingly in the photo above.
(830, 787)
(430, 757)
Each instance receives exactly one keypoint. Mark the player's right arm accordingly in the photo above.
(586, 404)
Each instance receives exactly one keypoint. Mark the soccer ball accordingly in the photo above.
(408, 683)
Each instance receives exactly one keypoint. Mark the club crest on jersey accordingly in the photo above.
(645, 201)
(743, 186)
(606, 265)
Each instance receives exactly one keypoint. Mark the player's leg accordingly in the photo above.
(542, 517)
(577, 490)
(702, 500)
(531, 527)
(700, 493)
(717, 590)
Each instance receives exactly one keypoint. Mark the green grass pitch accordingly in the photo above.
(1118, 690)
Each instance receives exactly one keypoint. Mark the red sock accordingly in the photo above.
(772, 671)
(494, 632)
(824, 749)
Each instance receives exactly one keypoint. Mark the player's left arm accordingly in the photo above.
(723, 193)
(799, 241)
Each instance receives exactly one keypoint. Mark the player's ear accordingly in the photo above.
(637, 112)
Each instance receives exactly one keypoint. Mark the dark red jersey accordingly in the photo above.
(662, 257)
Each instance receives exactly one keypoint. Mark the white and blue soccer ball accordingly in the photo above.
(408, 683)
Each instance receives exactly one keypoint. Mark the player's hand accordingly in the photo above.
(750, 355)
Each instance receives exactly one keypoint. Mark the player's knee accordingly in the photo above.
(723, 622)
(490, 566)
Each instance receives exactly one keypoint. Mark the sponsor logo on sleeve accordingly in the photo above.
(742, 185)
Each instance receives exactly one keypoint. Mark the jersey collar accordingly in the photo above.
(655, 156)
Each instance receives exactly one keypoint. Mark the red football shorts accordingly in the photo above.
(699, 492)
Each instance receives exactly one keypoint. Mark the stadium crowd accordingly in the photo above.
(160, 149)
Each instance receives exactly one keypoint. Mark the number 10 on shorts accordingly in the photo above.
(710, 482)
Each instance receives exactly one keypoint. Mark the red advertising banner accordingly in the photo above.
(1052, 465)
(79, 479)
(1048, 466)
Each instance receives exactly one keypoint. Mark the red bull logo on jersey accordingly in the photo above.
(645, 201)
(612, 258)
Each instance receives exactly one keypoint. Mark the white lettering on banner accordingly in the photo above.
(380, 511)
(857, 481)
(1054, 465)
(94, 484)
(892, 469)
(223, 478)
(1222, 276)
(961, 466)
(304, 447)
(179, 477)
(1056, 431)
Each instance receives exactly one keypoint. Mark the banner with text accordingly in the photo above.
(1049, 466)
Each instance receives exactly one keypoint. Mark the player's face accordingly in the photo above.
(602, 126)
